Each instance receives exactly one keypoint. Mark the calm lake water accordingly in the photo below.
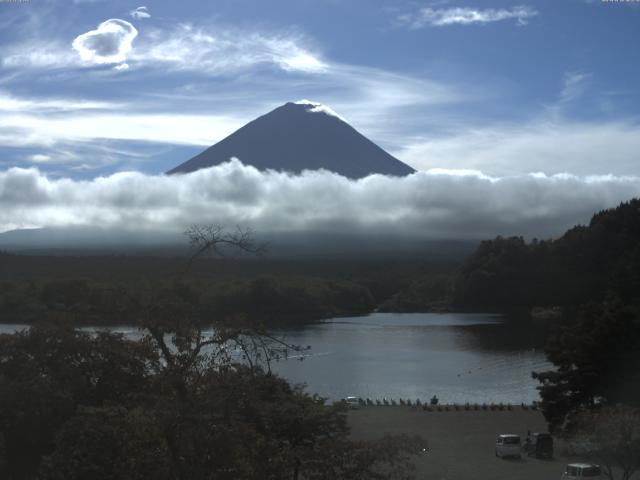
(458, 357)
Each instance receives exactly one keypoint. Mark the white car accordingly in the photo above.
(352, 402)
(576, 471)
(508, 445)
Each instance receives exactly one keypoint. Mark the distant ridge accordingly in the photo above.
(300, 136)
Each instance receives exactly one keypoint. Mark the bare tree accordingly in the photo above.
(187, 342)
(212, 239)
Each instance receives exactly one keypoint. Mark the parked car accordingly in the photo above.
(576, 471)
(539, 444)
(508, 445)
(353, 402)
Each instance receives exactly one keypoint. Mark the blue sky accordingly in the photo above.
(89, 88)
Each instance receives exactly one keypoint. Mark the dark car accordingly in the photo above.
(540, 445)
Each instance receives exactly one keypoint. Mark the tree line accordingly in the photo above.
(588, 263)
(271, 300)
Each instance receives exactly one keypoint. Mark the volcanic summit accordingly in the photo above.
(300, 136)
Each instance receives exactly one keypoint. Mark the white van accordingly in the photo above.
(508, 445)
(353, 402)
(576, 471)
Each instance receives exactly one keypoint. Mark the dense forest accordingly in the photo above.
(116, 289)
(271, 300)
(587, 264)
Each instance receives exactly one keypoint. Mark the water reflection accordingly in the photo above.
(458, 357)
(475, 358)
(506, 337)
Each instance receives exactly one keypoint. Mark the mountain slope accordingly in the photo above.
(300, 136)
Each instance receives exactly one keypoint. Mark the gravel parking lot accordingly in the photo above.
(461, 443)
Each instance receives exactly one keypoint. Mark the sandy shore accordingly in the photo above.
(461, 443)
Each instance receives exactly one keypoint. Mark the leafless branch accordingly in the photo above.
(208, 239)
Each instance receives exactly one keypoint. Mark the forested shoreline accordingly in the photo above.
(587, 264)
(114, 290)
(266, 299)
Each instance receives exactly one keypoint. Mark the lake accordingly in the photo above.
(458, 357)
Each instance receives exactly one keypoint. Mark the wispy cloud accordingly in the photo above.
(9, 103)
(427, 204)
(370, 98)
(574, 85)
(21, 130)
(211, 50)
(39, 54)
(385, 105)
(442, 17)
(140, 13)
(547, 146)
(223, 50)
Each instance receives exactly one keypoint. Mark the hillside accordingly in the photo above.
(588, 263)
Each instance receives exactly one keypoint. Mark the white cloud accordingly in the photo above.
(545, 146)
(179, 129)
(210, 50)
(299, 61)
(140, 13)
(431, 205)
(10, 103)
(383, 104)
(372, 97)
(40, 158)
(442, 17)
(316, 107)
(574, 85)
(110, 43)
(188, 47)
(39, 54)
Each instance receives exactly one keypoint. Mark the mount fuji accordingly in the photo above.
(300, 136)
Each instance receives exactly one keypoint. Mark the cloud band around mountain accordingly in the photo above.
(436, 204)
